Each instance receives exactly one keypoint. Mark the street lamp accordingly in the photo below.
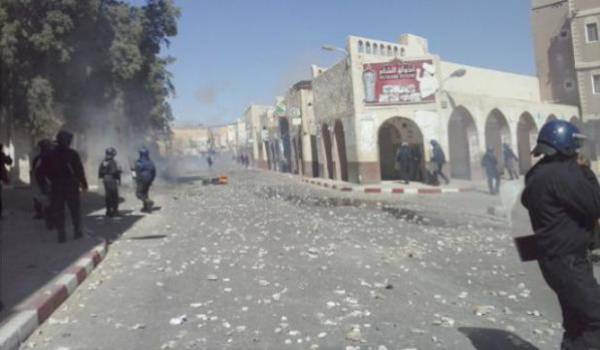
(459, 73)
(331, 48)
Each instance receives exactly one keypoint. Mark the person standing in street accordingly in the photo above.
(403, 161)
(5, 160)
(64, 170)
(39, 185)
(510, 161)
(110, 174)
(438, 159)
(563, 200)
(145, 172)
(209, 161)
(489, 162)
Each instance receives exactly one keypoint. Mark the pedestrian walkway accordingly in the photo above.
(33, 260)
(393, 187)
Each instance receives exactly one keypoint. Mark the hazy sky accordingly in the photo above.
(231, 53)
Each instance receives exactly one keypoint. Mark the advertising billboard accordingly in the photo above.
(400, 82)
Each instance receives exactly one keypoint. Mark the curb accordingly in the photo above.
(40, 306)
(382, 190)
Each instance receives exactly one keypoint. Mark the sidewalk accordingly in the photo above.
(37, 273)
(393, 187)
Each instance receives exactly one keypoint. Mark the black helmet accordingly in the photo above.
(64, 138)
(111, 152)
(44, 144)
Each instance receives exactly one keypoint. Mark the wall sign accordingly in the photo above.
(400, 82)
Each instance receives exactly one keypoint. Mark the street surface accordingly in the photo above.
(268, 262)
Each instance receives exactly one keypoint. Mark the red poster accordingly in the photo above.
(400, 82)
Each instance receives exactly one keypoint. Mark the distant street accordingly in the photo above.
(267, 262)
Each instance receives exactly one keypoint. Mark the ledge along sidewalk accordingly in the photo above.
(37, 273)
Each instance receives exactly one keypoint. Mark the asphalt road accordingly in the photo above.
(267, 262)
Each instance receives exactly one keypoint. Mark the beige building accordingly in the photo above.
(567, 50)
(191, 140)
(255, 117)
(384, 93)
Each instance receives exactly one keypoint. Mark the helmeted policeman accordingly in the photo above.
(403, 160)
(65, 172)
(563, 200)
(40, 186)
(110, 174)
(145, 172)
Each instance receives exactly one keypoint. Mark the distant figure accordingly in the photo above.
(209, 161)
(416, 169)
(510, 160)
(4, 161)
(110, 174)
(145, 173)
(40, 185)
(490, 164)
(438, 159)
(404, 160)
(65, 172)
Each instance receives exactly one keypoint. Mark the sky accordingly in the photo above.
(233, 53)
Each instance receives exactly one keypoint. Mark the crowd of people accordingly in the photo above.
(58, 178)
(409, 162)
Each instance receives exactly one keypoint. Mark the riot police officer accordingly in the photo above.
(563, 200)
(65, 172)
(145, 172)
(110, 174)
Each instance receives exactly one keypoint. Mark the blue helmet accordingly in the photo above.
(558, 136)
(144, 152)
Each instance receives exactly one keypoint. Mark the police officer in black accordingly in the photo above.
(4, 161)
(490, 163)
(563, 200)
(110, 174)
(65, 172)
(403, 160)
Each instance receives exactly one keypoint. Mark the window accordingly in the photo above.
(596, 83)
(591, 32)
(368, 47)
(395, 51)
(389, 50)
(375, 49)
(361, 46)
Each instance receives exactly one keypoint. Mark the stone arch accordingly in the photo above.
(463, 143)
(497, 132)
(327, 148)
(391, 134)
(340, 140)
(526, 138)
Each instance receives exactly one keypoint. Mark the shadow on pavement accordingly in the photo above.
(495, 339)
(30, 254)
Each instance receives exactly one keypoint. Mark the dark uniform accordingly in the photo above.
(438, 159)
(145, 172)
(40, 185)
(4, 161)
(490, 164)
(510, 159)
(404, 160)
(65, 172)
(563, 200)
(110, 174)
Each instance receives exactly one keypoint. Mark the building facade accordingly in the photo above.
(191, 140)
(385, 93)
(567, 50)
